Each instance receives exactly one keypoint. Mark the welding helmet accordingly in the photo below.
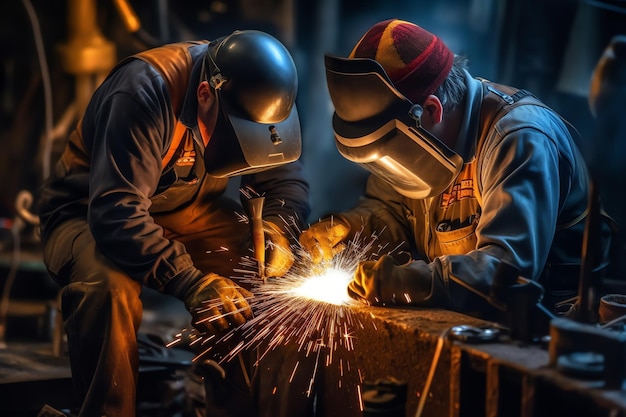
(255, 82)
(380, 129)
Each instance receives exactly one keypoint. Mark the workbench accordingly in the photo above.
(470, 379)
(504, 378)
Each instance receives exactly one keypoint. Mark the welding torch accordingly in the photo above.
(255, 214)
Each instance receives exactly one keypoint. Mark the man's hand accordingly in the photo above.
(384, 282)
(324, 240)
(279, 257)
(217, 304)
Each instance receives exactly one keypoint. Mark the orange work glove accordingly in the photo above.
(323, 240)
(215, 303)
(279, 256)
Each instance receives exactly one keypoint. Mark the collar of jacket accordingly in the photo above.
(189, 112)
(468, 133)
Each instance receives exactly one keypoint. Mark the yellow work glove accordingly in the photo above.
(278, 253)
(323, 240)
(215, 303)
(384, 282)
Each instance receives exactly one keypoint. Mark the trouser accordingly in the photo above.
(102, 312)
(102, 308)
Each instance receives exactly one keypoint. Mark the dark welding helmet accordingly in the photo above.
(256, 83)
(380, 129)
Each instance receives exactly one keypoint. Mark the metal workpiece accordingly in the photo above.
(449, 377)
(402, 344)
(496, 379)
(513, 379)
(580, 349)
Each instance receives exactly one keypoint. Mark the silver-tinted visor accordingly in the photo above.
(404, 157)
(373, 128)
(241, 146)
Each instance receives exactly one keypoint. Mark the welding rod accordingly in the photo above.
(255, 213)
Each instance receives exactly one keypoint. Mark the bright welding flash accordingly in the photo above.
(330, 286)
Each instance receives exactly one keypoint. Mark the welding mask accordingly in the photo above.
(380, 129)
(255, 82)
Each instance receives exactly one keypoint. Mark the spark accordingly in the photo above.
(249, 192)
(242, 218)
(309, 306)
(220, 249)
(360, 396)
(312, 309)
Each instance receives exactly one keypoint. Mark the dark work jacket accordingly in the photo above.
(115, 170)
(521, 198)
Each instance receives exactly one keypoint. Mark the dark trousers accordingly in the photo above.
(101, 305)
(102, 312)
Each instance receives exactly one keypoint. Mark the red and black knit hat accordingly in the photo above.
(416, 61)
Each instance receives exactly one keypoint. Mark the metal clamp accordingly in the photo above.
(471, 334)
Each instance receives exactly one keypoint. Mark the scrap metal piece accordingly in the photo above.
(575, 346)
(472, 334)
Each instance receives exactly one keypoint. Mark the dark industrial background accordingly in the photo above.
(546, 46)
(549, 47)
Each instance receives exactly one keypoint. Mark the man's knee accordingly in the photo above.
(103, 291)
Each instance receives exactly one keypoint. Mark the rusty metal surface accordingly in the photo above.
(400, 344)
(506, 378)
(487, 379)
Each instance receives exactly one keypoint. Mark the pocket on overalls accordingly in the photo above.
(58, 249)
(457, 241)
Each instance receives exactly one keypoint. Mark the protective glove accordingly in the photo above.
(323, 240)
(384, 282)
(278, 254)
(214, 302)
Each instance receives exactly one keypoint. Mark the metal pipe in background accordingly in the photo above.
(128, 15)
(87, 54)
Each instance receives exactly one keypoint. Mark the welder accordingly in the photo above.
(138, 198)
(466, 175)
